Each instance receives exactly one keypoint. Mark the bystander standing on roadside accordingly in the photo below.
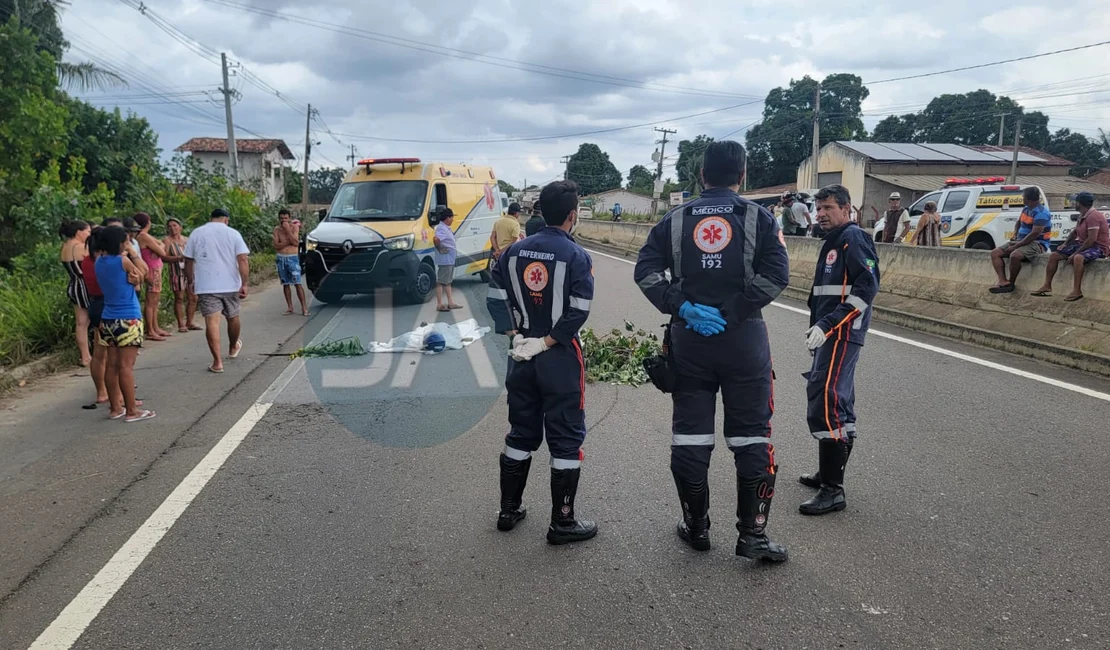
(154, 255)
(184, 300)
(505, 232)
(121, 325)
(1089, 241)
(796, 219)
(74, 233)
(445, 256)
(286, 245)
(928, 227)
(536, 222)
(96, 308)
(218, 267)
(896, 216)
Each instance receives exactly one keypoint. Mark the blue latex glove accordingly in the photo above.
(703, 319)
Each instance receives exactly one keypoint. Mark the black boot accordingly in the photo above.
(564, 527)
(514, 475)
(753, 507)
(694, 527)
(814, 480)
(830, 498)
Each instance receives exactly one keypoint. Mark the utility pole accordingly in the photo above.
(352, 157)
(659, 168)
(565, 160)
(815, 175)
(232, 150)
(1017, 142)
(1001, 129)
(15, 10)
(307, 154)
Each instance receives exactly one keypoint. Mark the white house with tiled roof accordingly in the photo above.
(261, 162)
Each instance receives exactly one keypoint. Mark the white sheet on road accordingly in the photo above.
(457, 336)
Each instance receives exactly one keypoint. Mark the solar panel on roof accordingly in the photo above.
(965, 154)
(1009, 156)
(876, 151)
(920, 153)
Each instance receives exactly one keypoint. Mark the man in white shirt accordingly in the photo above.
(217, 267)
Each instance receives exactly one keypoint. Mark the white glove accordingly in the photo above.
(815, 338)
(526, 349)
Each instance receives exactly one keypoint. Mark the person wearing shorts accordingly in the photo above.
(1089, 241)
(1033, 234)
(121, 325)
(286, 239)
(217, 265)
(445, 261)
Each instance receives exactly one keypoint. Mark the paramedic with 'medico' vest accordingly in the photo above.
(727, 260)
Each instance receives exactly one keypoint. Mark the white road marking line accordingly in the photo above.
(72, 622)
(1075, 388)
(380, 363)
(476, 352)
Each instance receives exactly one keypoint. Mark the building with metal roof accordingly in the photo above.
(873, 170)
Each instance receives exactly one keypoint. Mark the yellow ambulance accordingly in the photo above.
(379, 229)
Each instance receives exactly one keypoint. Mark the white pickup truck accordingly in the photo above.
(980, 215)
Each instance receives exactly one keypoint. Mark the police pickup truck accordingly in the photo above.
(980, 213)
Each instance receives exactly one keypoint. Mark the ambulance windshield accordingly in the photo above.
(379, 201)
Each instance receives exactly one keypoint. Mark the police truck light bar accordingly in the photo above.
(387, 161)
(990, 180)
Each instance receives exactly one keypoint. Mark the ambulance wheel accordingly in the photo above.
(424, 284)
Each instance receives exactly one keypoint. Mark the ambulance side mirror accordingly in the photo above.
(323, 213)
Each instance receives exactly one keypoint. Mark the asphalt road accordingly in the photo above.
(358, 512)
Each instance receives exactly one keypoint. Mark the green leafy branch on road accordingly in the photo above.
(348, 347)
(617, 357)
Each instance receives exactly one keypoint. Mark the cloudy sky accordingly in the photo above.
(383, 71)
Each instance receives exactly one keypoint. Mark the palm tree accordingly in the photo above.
(42, 18)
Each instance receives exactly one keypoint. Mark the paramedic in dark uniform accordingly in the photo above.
(539, 294)
(727, 260)
(844, 287)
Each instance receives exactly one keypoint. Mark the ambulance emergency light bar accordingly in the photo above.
(367, 162)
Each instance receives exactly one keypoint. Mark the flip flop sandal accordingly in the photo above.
(116, 417)
(454, 307)
(143, 415)
(238, 348)
(1073, 298)
(1042, 294)
(211, 369)
(90, 407)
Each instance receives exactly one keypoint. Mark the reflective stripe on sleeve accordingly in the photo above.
(580, 304)
(828, 290)
(558, 284)
(676, 243)
(751, 223)
(652, 280)
(497, 294)
(515, 280)
(857, 302)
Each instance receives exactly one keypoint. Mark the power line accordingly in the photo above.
(478, 57)
(986, 65)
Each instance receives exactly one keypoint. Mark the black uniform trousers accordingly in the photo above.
(736, 362)
(831, 390)
(547, 394)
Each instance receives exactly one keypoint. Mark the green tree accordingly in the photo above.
(688, 166)
(591, 168)
(506, 187)
(971, 119)
(783, 139)
(1087, 154)
(640, 179)
(896, 128)
(323, 183)
(43, 18)
(111, 145)
(32, 124)
(294, 186)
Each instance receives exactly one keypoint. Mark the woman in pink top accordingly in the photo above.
(154, 254)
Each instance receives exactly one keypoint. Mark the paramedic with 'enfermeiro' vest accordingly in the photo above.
(845, 283)
(540, 294)
(727, 260)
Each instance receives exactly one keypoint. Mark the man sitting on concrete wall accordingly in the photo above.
(1033, 234)
(1089, 241)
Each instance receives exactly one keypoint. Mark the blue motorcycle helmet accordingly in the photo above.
(434, 342)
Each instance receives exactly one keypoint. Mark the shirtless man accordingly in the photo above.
(286, 238)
